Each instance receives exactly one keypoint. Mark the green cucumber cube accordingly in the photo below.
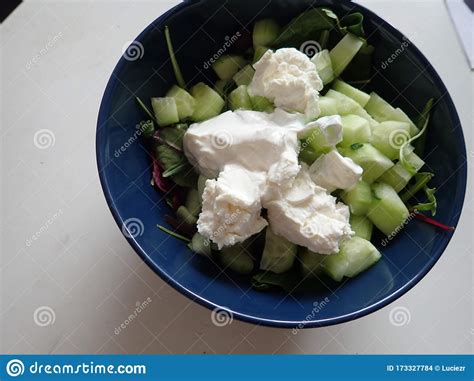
(166, 111)
(372, 161)
(237, 259)
(200, 245)
(278, 254)
(226, 66)
(355, 129)
(397, 177)
(323, 64)
(265, 32)
(358, 198)
(360, 253)
(328, 106)
(359, 96)
(240, 99)
(343, 53)
(361, 226)
(388, 137)
(311, 263)
(185, 103)
(387, 211)
(259, 52)
(244, 76)
(260, 103)
(208, 102)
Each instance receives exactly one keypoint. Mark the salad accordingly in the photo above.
(284, 169)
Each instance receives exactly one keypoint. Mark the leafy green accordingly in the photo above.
(186, 178)
(359, 69)
(146, 109)
(147, 128)
(174, 62)
(173, 136)
(421, 180)
(424, 120)
(168, 157)
(174, 170)
(431, 205)
(353, 23)
(305, 27)
(173, 234)
(265, 280)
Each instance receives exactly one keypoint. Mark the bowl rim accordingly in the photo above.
(102, 164)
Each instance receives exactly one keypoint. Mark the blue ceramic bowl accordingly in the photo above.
(199, 29)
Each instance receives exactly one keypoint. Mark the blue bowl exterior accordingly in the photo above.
(125, 178)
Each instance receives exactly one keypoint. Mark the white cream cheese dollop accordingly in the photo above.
(289, 79)
(307, 215)
(254, 157)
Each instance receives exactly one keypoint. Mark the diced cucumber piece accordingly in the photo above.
(260, 103)
(193, 202)
(311, 263)
(185, 103)
(345, 105)
(335, 265)
(307, 154)
(265, 32)
(415, 162)
(201, 184)
(397, 177)
(343, 53)
(388, 137)
(360, 254)
(358, 198)
(259, 52)
(237, 259)
(226, 66)
(382, 111)
(279, 253)
(208, 102)
(328, 106)
(362, 226)
(387, 211)
(359, 96)
(372, 161)
(240, 99)
(221, 86)
(186, 216)
(323, 64)
(244, 76)
(200, 245)
(355, 129)
(165, 110)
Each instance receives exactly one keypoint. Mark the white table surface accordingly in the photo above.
(56, 59)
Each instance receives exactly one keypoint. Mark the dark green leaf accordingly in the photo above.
(359, 70)
(305, 27)
(173, 171)
(421, 180)
(174, 62)
(353, 23)
(173, 136)
(173, 234)
(147, 128)
(168, 157)
(422, 120)
(431, 205)
(265, 280)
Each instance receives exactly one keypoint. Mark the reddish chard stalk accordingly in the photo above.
(433, 222)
